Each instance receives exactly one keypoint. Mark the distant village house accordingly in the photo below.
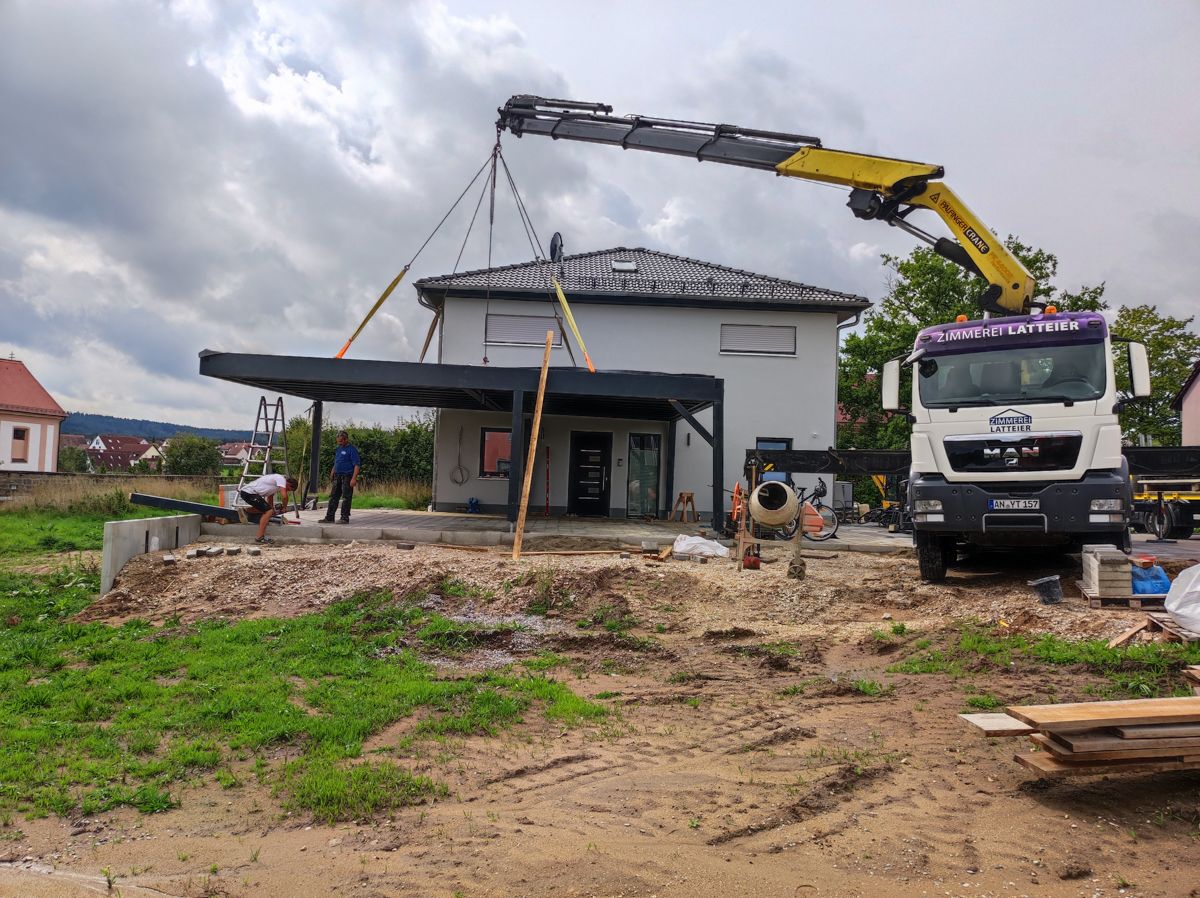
(29, 421)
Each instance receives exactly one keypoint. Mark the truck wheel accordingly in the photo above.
(931, 556)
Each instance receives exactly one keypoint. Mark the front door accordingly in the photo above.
(590, 480)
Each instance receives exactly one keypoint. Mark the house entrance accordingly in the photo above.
(590, 482)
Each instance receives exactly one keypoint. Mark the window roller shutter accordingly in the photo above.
(759, 338)
(526, 329)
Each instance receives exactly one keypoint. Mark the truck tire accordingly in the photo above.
(932, 555)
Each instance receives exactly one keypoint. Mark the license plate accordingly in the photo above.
(1013, 504)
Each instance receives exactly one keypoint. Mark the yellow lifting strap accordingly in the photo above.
(562, 301)
(375, 308)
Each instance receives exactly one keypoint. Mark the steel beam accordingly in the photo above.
(718, 464)
(691, 419)
(516, 460)
(208, 511)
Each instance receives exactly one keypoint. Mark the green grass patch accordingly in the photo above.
(871, 688)
(545, 661)
(1140, 671)
(25, 532)
(611, 619)
(93, 717)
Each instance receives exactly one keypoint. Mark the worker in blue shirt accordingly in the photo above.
(346, 465)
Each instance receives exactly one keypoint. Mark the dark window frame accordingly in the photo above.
(782, 476)
(24, 441)
(483, 435)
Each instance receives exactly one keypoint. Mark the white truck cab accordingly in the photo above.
(1015, 436)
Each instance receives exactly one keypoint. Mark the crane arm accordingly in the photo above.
(881, 188)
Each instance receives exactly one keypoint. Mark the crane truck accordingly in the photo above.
(1015, 438)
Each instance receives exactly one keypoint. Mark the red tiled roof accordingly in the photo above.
(118, 443)
(20, 391)
(117, 459)
(77, 440)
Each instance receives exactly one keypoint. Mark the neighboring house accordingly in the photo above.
(112, 460)
(73, 440)
(1187, 403)
(152, 457)
(111, 442)
(29, 421)
(234, 453)
(773, 343)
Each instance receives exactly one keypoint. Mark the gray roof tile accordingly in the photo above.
(658, 274)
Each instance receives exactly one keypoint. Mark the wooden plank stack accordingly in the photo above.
(1091, 738)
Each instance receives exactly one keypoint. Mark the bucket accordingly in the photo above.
(1049, 589)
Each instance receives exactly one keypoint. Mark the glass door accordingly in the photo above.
(642, 483)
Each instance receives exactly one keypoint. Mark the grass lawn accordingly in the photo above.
(94, 716)
(28, 532)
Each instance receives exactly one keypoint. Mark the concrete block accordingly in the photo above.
(213, 553)
(254, 551)
(168, 559)
(233, 550)
(192, 553)
(405, 546)
(125, 539)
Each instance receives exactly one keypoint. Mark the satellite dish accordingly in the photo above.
(556, 247)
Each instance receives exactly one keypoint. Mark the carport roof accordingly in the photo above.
(569, 391)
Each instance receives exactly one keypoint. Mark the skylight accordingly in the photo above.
(624, 265)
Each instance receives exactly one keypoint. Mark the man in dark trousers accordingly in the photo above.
(346, 464)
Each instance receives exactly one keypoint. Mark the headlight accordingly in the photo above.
(1107, 504)
(927, 505)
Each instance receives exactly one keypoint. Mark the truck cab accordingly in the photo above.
(1016, 440)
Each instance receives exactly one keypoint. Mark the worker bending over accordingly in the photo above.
(258, 494)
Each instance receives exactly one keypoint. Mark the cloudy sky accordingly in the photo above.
(248, 176)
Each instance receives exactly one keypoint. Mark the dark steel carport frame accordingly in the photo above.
(638, 395)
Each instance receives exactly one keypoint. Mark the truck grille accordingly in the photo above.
(1014, 452)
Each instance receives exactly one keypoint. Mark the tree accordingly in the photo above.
(72, 460)
(1172, 348)
(924, 290)
(190, 454)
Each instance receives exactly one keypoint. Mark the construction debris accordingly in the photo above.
(168, 559)
(233, 550)
(254, 550)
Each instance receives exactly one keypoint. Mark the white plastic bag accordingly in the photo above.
(698, 545)
(1183, 601)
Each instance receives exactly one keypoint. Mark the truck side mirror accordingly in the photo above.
(891, 385)
(1139, 370)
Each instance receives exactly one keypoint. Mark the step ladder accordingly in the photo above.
(267, 452)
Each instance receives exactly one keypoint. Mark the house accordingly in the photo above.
(116, 460)
(1187, 403)
(234, 453)
(72, 440)
(772, 343)
(111, 442)
(29, 421)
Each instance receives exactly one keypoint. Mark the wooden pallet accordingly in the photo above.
(1162, 622)
(1148, 602)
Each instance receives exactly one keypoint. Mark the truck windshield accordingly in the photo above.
(1021, 374)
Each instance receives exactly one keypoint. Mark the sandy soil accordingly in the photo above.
(718, 780)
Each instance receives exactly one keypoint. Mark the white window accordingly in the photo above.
(759, 339)
(523, 330)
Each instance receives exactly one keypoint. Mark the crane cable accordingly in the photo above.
(396, 281)
(540, 259)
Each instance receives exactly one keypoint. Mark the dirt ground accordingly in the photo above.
(731, 771)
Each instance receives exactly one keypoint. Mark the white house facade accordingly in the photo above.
(772, 342)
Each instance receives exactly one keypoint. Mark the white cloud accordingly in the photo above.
(199, 173)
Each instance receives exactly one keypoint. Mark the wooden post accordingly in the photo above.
(533, 438)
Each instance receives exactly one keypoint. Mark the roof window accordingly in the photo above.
(624, 265)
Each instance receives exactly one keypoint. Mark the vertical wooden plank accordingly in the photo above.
(533, 438)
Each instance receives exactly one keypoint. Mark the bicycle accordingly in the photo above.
(829, 518)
